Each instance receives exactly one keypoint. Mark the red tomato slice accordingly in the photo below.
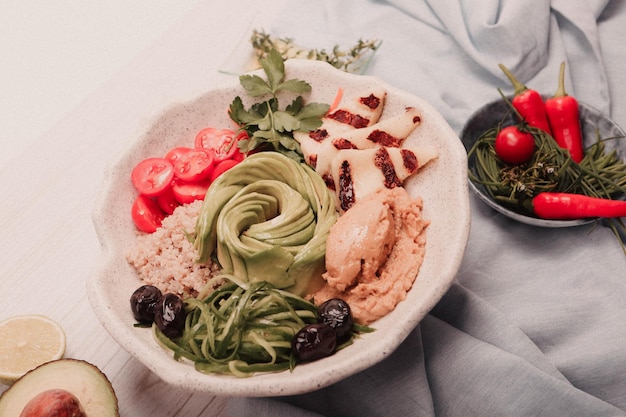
(146, 214)
(223, 142)
(167, 201)
(222, 167)
(174, 154)
(194, 165)
(188, 192)
(152, 175)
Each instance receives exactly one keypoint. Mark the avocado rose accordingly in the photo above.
(267, 219)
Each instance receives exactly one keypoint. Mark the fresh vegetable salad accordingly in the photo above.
(261, 293)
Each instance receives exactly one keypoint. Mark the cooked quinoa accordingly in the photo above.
(167, 258)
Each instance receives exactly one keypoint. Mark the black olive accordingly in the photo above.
(142, 303)
(336, 313)
(169, 315)
(314, 341)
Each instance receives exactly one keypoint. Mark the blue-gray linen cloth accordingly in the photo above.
(535, 322)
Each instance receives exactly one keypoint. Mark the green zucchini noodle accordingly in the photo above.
(240, 328)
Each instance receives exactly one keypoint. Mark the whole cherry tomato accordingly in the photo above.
(514, 146)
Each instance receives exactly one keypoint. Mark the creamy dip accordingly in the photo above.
(374, 253)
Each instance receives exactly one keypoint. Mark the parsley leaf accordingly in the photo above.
(274, 68)
(297, 86)
(285, 122)
(268, 126)
(255, 85)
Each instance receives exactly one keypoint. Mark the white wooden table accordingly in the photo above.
(78, 82)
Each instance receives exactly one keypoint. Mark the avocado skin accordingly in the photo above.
(78, 377)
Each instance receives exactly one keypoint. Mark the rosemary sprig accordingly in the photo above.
(348, 60)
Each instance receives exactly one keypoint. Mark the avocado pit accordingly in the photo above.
(61, 388)
(54, 403)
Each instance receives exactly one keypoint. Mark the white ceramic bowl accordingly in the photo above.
(442, 185)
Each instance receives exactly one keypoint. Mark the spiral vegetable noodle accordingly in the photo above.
(240, 328)
(267, 219)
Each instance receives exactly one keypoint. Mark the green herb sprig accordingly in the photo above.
(268, 126)
(349, 59)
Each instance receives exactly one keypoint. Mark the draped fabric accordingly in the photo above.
(535, 323)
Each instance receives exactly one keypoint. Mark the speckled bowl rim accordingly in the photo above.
(442, 185)
(497, 111)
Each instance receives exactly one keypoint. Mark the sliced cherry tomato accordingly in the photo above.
(188, 192)
(222, 167)
(167, 201)
(174, 154)
(147, 214)
(152, 175)
(194, 165)
(514, 146)
(223, 142)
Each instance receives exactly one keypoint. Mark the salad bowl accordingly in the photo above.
(442, 185)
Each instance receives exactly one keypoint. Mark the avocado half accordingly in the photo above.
(77, 377)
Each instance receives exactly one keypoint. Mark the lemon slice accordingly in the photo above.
(26, 342)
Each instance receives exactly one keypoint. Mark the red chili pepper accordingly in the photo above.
(528, 103)
(564, 117)
(567, 206)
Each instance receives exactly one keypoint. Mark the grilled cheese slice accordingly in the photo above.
(361, 110)
(390, 132)
(360, 172)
